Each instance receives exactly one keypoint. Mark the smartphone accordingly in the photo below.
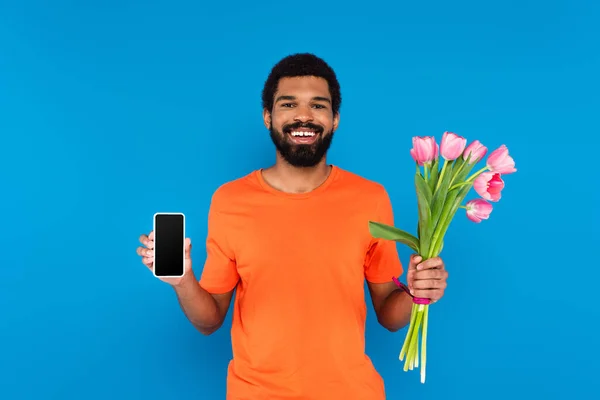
(169, 245)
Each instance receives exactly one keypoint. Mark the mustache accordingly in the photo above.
(297, 125)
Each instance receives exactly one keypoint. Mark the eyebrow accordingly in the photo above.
(316, 98)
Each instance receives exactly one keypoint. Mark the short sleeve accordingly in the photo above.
(220, 272)
(382, 261)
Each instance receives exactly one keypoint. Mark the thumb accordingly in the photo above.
(188, 248)
(415, 259)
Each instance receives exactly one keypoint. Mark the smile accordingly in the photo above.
(302, 133)
(303, 136)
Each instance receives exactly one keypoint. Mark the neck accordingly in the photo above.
(287, 178)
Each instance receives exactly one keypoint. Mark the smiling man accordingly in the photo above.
(293, 241)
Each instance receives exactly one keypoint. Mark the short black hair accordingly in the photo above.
(301, 64)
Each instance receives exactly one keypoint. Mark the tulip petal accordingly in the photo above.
(489, 185)
(478, 210)
(500, 161)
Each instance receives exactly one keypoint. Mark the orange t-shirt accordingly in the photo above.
(299, 262)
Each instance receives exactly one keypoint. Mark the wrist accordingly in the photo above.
(401, 286)
(186, 281)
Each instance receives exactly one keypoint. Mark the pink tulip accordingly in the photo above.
(489, 185)
(478, 210)
(452, 146)
(500, 162)
(476, 150)
(425, 149)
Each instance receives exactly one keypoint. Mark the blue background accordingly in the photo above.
(113, 110)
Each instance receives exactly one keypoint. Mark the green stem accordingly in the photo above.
(414, 340)
(475, 175)
(416, 354)
(439, 235)
(411, 327)
(446, 162)
(424, 342)
(459, 185)
(457, 172)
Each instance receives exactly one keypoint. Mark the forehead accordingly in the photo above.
(303, 86)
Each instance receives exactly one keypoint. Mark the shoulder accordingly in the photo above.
(362, 186)
(234, 189)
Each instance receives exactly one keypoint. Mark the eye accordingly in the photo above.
(287, 105)
(319, 106)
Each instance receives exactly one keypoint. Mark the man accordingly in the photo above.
(293, 240)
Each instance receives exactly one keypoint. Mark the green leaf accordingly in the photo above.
(424, 188)
(462, 193)
(458, 166)
(441, 226)
(441, 192)
(461, 175)
(455, 198)
(383, 231)
(425, 222)
(434, 175)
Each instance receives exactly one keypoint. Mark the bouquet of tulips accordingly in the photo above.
(440, 193)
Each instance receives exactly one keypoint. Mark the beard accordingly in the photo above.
(301, 155)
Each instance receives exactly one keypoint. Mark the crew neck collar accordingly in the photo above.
(319, 189)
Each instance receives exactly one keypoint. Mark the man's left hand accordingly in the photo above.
(427, 279)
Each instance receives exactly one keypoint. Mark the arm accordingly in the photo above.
(426, 279)
(205, 311)
(205, 301)
(392, 305)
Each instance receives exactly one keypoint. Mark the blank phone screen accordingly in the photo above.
(169, 239)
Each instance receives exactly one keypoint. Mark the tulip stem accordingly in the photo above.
(459, 185)
(476, 174)
(424, 343)
(446, 162)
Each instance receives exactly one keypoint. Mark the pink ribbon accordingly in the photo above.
(416, 300)
(420, 300)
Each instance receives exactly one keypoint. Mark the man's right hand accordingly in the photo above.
(205, 311)
(146, 251)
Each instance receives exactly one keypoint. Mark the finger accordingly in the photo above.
(434, 262)
(415, 259)
(429, 284)
(148, 261)
(188, 248)
(148, 240)
(144, 252)
(434, 273)
(410, 277)
(432, 294)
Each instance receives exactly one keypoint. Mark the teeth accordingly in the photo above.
(303, 134)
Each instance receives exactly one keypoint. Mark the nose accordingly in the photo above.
(303, 114)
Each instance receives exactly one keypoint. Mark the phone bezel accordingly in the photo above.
(182, 248)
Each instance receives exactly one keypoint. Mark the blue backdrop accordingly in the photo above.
(113, 110)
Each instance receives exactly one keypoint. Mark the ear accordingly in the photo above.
(267, 118)
(336, 121)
